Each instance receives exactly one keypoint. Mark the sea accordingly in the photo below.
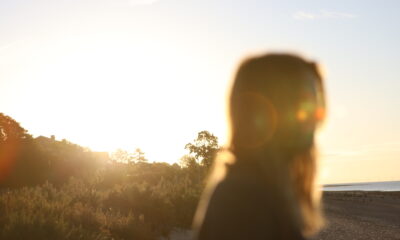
(389, 186)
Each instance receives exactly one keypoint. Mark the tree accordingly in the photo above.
(10, 130)
(188, 161)
(12, 137)
(121, 155)
(138, 156)
(124, 156)
(204, 148)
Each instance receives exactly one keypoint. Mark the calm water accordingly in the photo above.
(367, 186)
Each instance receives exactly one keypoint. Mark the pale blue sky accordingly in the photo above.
(153, 73)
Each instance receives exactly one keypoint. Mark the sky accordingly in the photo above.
(153, 73)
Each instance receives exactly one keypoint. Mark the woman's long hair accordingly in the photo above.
(276, 103)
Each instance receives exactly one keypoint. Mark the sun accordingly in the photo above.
(108, 94)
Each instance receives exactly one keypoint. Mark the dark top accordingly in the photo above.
(240, 209)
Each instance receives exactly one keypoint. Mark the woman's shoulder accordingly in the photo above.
(236, 209)
(239, 207)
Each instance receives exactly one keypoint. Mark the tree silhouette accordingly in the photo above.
(12, 137)
(10, 129)
(138, 156)
(41, 174)
(122, 156)
(204, 148)
(188, 161)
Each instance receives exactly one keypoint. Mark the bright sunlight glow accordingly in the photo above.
(123, 95)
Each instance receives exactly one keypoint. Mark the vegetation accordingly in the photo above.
(52, 189)
(204, 148)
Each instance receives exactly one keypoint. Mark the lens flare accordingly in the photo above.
(258, 120)
(301, 115)
(320, 114)
(8, 154)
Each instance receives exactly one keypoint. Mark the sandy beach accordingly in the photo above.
(353, 215)
(361, 215)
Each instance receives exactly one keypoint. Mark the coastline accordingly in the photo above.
(360, 215)
(351, 215)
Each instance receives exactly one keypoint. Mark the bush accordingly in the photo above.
(145, 202)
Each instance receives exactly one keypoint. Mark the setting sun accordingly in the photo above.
(117, 82)
(111, 93)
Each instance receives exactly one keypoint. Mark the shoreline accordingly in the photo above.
(351, 215)
(360, 215)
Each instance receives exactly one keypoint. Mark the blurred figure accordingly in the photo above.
(262, 184)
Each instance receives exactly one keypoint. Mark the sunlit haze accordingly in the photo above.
(151, 74)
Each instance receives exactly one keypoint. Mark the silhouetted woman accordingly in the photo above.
(262, 185)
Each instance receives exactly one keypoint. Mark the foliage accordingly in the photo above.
(12, 136)
(145, 201)
(204, 148)
(188, 161)
(138, 156)
(124, 156)
(75, 211)
(59, 190)
(121, 155)
(10, 129)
